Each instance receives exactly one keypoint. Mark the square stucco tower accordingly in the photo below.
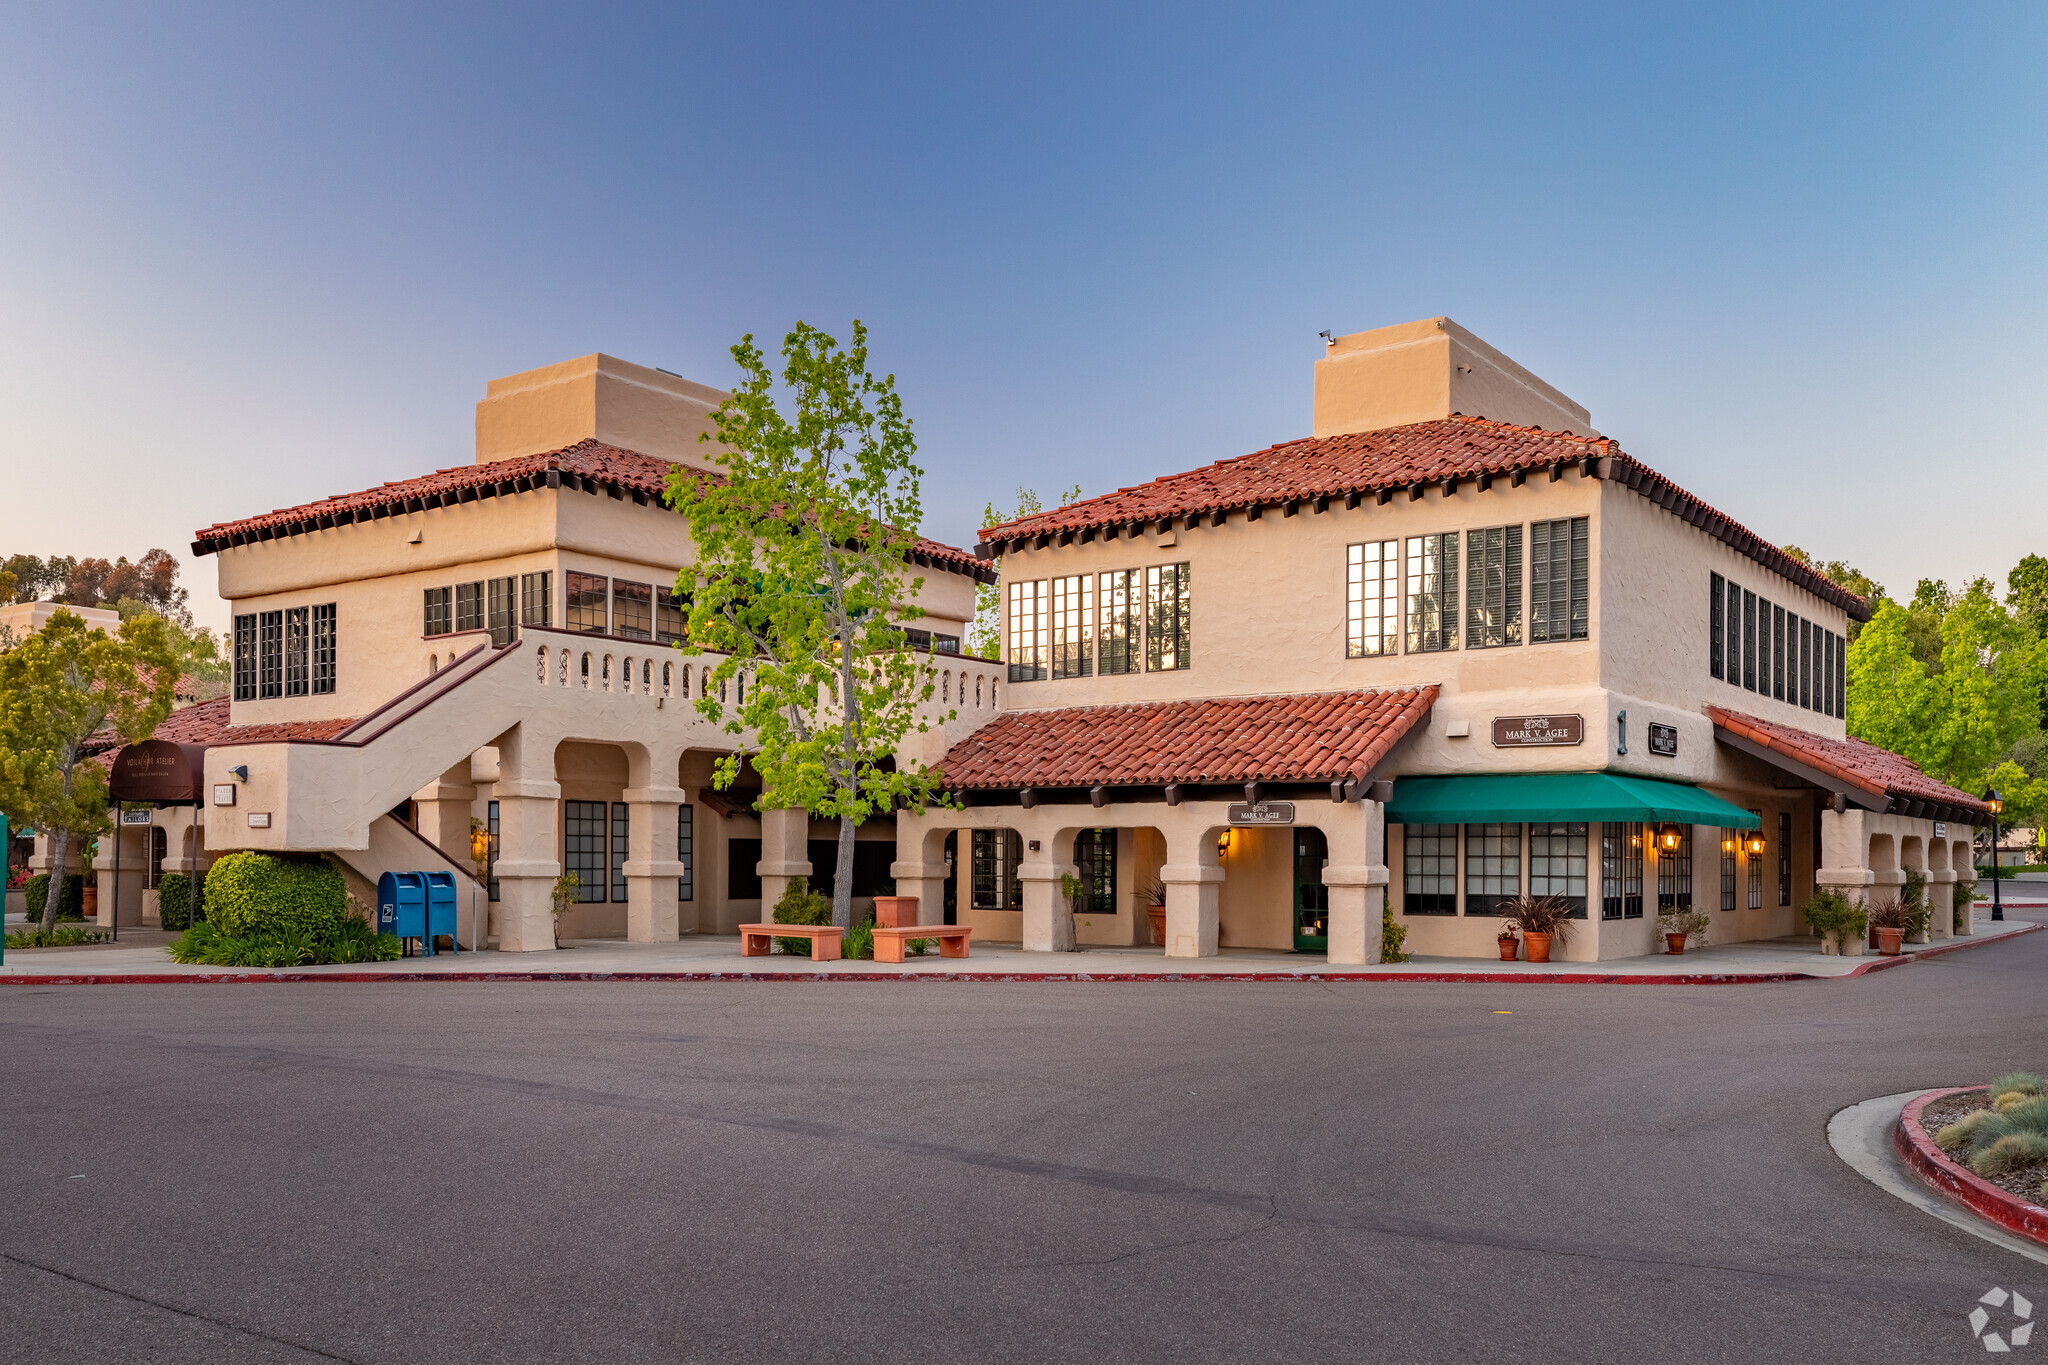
(1429, 370)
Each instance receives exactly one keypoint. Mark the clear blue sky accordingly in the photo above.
(1791, 256)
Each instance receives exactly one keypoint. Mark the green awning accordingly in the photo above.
(1516, 798)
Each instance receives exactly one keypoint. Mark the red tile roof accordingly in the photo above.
(1878, 773)
(1314, 737)
(589, 465)
(207, 723)
(1456, 450)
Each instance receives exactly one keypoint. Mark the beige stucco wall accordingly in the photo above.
(622, 404)
(1427, 370)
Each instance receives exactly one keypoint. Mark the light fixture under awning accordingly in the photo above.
(1522, 798)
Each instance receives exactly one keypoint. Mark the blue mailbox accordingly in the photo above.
(402, 905)
(440, 908)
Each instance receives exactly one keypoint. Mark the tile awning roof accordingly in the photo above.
(591, 466)
(1312, 737)
(207, 723)
(1886, 780)
(1440, 454)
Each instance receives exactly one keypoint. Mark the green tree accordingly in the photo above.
(985, 631)
(801, 583)
(199, 652)
(1843, 575)
(58, 687)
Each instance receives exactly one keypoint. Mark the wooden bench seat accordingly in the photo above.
(758, 940)
(889, 940)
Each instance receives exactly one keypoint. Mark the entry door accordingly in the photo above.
(1311, 897)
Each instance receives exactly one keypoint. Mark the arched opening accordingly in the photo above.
(668, 680)
(563, 678)
(586, 671)
(647, 678)
(626, 676)
(540, 665)
(1311, 896)
(686, 682)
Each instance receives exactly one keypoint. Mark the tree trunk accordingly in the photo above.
(60, 854)
(842, 876)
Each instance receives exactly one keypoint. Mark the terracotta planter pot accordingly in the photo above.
(895, 912)
(1674, 944)
(89, 899)
(1888, 941)
(1155, 915)
(1538, 946)
(1508, 948)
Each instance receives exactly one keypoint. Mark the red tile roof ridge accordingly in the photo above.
(1876, 771)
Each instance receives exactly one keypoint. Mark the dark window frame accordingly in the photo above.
(994, 855)
(686, 851)
(537, 598)
(1748, 640)
(326, 649)
(1674, 874)
(1070, 625)
(1717, 611)
(586, 848)
(437, 611)
(1120, 632)
(1169, 613)
(1429, 869)
(1560, 610)
(1095, 865)
(469, 606)
(1429, 586)
(622, 840)
(1621, 870)
(270, 654)
(245, 657)
(1784, 859)
(1374, 633)
(583, 595)
(632, 609)
(671, 617)
(298, 650)
(1493, 586)
(1024, 630)
(1492, 867)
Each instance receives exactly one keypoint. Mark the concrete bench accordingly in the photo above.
(758, 940)
(889, 939)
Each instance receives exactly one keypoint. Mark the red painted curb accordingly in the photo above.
(1959, 1183)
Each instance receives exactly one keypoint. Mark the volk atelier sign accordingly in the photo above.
(1525, 732)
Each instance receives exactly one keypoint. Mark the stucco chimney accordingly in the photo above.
(630, 406)
(1423, 371)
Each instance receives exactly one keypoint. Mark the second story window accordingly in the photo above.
(245, 657)
(440, 611)
(671, 617)
(270, 654)
(632, 609)
(1166, 617)
(536, 599)
(1432, 609)
(1027, 631)
(1372, 599)
(1717, 622)
(1559, 553)
(1073, 626)
(1119, 632)
(298, 678)
(323, 650)
(469, 606)
(501, 600)
(1749, 639)
(586, 602)
(1493, 587)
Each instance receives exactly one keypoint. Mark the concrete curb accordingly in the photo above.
(1980, 1196)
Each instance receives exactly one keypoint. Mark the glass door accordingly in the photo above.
(1311, 897)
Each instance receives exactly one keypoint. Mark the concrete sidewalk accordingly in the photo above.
(717, 957)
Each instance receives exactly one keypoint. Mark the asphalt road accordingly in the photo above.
(974, 1172)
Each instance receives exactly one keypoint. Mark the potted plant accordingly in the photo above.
(1153, 893)
(1543, 920)
(1678, 925)
(1888, 927)
(567, 890)
(1508, 944)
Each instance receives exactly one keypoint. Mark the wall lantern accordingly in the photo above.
(1223, 844)
(1755, 842)
(1727, 845)
(240, 772)
(1991, 799)
(1669, 838)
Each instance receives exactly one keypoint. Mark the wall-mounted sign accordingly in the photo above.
(259, 819)
(1522, 732)
(223, 793)
(1663, 740)
(134, 817)
(1264, 813)
(1940, 830)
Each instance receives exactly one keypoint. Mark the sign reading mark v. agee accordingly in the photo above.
(1518, 732)
(1265, 813)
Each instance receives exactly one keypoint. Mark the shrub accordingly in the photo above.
(1539, 915)
(70, 900)
(1960, 896)
(801, 905)
(349, 939)
(1831, 912)
(2022, 1082)
(174, 900)
(859, 941)
(258, 893)
(2010, 1152)
(1393, 935)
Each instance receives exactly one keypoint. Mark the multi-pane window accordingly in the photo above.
(1429, 870)
(501, 602)
(994, 856)
(1749, 639)
(1095, 862)
(1621, 871)
(1027, 631)
(1166, 617)
(1824, 686)
(585, 840)
(298, 678)
(1432, 607)
(686, 852)
(1784, 858)
(1841, 674)
(323, 649)
(1674, 873)
(671, 617)
(469, 606)
(586, 604)
(1559, 603)
(1804, 645)
(439, 611)
(1732, 663)
(632, 609)
(1073, 626)
(1493, 866)
(622, 824)
(1716, 622)
(1493, 586)
(1373, 599)
(491, 888)
(1119, 632)
(245, 658)
(270, 653)
(1557, 862)
(1729, 840)
(537, 599)
(1756, 869)
(1778, 653)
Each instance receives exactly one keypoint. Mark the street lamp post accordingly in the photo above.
(1997, 904)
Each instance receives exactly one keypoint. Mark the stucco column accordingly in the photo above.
(651, 864)
(1941, 897)
(1193, 891)
(785, 855)
(529, 852)
(1048, 917)
(1357, 878)
(913, 875)
(445, 807)
(1844, 855)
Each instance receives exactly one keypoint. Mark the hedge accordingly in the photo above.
(174, 899)
(70, 901)
(257, 893)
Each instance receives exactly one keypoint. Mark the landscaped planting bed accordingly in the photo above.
(1999, 1133)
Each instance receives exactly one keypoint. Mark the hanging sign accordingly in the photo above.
(1264, 813)
(1525, 732)
(1664, 740)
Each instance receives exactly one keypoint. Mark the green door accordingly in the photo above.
(1311, 897)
